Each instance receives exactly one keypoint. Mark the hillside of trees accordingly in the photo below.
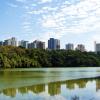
(18, 57)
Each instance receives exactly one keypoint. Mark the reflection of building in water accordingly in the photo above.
(10, 92)
(97, 84)
(54, 88)
(23, 90)
(37, 88)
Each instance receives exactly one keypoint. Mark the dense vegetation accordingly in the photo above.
(17, 57)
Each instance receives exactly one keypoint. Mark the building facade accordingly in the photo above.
(80, 47)
(7, 42)
(69, 46)
(53, 44)
(11, 42)
(1, 43)
(37, 44)
(23, 43)
(31, 45)
(97, 47)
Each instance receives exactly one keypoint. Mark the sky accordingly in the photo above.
(71, 21)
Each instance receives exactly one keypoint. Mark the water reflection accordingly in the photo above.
(50, 84)
(97, 85)
(9, 92)
(79, 89)
(54, 88)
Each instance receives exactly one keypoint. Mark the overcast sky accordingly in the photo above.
(71, 21)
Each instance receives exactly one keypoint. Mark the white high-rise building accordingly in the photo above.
(97, 47)
(11, 42)
(23, 43)
(7, 42)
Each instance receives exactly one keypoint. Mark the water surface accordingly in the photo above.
(50, 84)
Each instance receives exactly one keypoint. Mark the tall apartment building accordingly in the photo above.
(57, 44)
(37, 44)
(53, 44)
(31, 45)
(7, 42)
(11, 42)
(80, 47)
(1, 43)
(23, 43)
(97, 47)
(69, 46)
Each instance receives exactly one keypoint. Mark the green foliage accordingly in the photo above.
(18, 57)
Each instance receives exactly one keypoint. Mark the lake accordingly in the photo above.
(50, 84)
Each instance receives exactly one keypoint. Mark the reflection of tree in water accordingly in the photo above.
(10, 92)
(81, 83)
(70, 84)
(37, 88)
(54, 88)
(23, 90)
(97, 84)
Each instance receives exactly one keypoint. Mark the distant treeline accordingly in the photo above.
(18, 57)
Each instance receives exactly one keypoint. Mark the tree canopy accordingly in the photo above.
(17, 57)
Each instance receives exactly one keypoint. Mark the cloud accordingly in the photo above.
(21, 0)
(75, 18)
(46, 96)
(62, 17)
(95, 37)
(45, 1)
(50, 23)
(12, 5)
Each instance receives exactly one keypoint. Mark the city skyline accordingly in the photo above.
(53, 44)
(71, 21)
